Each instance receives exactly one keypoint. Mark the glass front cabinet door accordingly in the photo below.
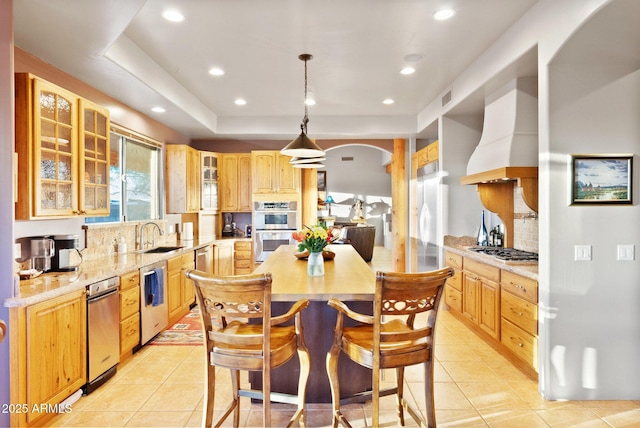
(58, 175)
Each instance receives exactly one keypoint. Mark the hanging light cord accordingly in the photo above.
(305, 119)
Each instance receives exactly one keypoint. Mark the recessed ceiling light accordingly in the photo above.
(240, 101)
(216, 71)
(443, 14)
(413, 57)
(407, 70)
(388, 101)
(173, 15)
(158, 109)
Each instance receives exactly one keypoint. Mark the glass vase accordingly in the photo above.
(315, 264)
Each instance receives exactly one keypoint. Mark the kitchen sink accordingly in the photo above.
(160, 250)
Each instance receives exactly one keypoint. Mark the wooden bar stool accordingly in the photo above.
(237, 344)
(393, 343)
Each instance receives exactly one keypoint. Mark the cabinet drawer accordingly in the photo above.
(129, 302)
(242, 255)
(520, 312)
(129, 333)
(453, 260)
(242, 245)
(455, 281)
(453, 298)
(486, 271)
(129, 280)
(242, 271)
(245, 264)
(521, 286)
(521, 343)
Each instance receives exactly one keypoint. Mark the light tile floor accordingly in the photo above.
(162, 386)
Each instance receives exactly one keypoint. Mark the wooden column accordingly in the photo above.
(399, 206)
(309, 196)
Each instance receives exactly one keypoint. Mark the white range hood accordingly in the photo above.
(510, 130)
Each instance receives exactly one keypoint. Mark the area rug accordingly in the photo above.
(187, 331)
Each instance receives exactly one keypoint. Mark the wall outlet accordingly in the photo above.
(17, 251)
(626, 252)
(582, 252)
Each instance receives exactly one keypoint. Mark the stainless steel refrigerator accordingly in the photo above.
(428, 197)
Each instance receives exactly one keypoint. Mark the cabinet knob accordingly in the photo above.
(3, 330)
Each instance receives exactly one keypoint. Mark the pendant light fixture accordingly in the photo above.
(303, 147)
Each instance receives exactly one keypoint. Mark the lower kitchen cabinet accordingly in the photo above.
(499, 304)
(129, 313)
(242, 258)
(180, 293)
(49, 355)
(223, 257)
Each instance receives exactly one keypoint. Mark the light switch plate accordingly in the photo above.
(582, 252)
(626, 252)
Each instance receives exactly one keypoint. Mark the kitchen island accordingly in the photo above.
(347, 277)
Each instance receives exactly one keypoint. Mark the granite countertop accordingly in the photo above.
(460, 246)
(53, 284)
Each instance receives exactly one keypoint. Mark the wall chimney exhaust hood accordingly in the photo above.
(507, 153)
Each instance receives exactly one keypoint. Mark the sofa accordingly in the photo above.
(361, 237)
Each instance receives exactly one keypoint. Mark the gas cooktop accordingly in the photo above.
(508, 254)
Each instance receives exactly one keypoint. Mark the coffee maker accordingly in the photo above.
(42, 251)
(229, 226)
(67, 256)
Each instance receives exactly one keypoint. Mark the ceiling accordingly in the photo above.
(126, 49)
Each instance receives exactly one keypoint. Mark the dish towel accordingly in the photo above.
(154, 287)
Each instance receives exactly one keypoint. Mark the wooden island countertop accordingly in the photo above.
(347, 277)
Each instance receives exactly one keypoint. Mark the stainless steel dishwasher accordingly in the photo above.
(103, 332)
(154, 312)
(204, 259)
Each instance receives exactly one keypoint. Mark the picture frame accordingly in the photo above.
(601, 179)
(322, 181)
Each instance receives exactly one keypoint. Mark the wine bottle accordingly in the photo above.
(483, 236)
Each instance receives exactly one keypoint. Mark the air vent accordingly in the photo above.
(446, 98)
(347, 158)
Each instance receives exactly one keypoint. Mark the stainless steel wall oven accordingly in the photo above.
(273, 225)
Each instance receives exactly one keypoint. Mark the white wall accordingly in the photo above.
(6, 189)
(591, 331)
(364, 178)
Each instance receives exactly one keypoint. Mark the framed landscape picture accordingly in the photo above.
(601, 179)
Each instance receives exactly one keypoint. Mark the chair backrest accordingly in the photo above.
(408, 294)
(239, 298)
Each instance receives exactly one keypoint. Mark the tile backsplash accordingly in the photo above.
(102, 239)
(525, 224)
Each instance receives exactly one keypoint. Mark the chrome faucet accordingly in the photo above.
(141, 241)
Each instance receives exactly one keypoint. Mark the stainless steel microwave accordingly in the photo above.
(275, 215)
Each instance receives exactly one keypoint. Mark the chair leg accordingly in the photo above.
(332, 370)
(235, 386)
(400, 395)
(305, 370)
(209, 394)
(428, 393)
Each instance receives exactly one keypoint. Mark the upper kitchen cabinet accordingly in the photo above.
(272, 173)
(209, 181)
(182, 179)
(62, 178)
(235, 182)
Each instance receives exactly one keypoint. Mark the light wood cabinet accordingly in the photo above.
(427, 154)
(129, 312)
(179, 297)
(481, 296)
(49, 354)
(62, 142)
(208, 181)
(242, 257)
(235, 182)
(519, 310)
(223, 258)
(182, 179)
(499, 304)
(272, 173)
